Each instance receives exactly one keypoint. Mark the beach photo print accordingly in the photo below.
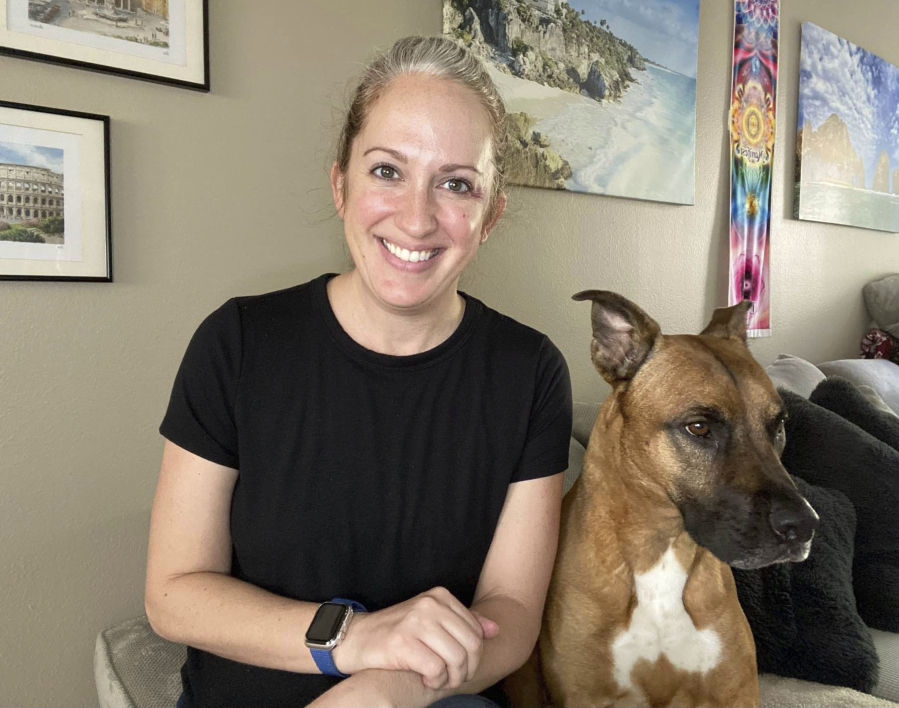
(601, 94)
(847, 145)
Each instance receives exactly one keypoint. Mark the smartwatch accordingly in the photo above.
(327, 630)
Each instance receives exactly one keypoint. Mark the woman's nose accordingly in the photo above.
(416, 215)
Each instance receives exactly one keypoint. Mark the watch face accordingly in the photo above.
(326, 623)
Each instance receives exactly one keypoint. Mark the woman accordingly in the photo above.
(375, 438)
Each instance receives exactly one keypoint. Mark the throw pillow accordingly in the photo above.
(843, 398)
(882, 300)
(803, 615)
(827, 450)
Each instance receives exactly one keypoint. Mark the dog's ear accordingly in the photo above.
(623, 335)
(729, 322)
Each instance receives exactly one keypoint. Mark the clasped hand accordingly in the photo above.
(433, 634)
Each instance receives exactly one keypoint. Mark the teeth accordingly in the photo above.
(407, 255)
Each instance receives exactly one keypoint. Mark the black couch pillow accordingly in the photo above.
(828, 451)
(843, 398)
(803, 615)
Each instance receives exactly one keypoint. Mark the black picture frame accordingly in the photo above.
(87, 258)
(16, 44)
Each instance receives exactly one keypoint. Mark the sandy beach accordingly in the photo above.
(640, 147)
(536, 100)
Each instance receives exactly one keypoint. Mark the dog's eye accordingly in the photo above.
(699, 429)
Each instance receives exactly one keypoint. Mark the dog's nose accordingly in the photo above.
(793, 520)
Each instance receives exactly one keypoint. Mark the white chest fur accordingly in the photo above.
(660, 625)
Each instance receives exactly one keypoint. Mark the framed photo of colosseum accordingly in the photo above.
(156, 40)
(54, 194)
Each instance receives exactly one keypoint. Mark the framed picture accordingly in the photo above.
(847, 141)
(600, 94)
(54, 195)
(157, 40)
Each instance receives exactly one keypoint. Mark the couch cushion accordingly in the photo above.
(794, 374)
(887, 645)
(875, 399)
(879, 374)
(780, 692)
(583, 418)
(575, 464)
(136, 668)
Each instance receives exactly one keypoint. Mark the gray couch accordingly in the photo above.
(135, 668)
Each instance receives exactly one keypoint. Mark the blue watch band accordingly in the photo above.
(322, 657)
(325, 664)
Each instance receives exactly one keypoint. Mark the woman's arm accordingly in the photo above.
(192, 599)
(511, 591)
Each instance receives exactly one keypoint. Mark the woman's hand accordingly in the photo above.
(433, 634)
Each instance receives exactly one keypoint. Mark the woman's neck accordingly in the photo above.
(382, 329)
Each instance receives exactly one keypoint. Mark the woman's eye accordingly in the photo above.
(458, 185)
(699, 429)
(385, 171)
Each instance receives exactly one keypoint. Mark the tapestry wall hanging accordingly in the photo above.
(752, 122)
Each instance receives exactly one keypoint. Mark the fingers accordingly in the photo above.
(456, 655)
(470, 642)
(467, 631)
(488, 626)
(449, 601)
(422, 660)
(433, 634)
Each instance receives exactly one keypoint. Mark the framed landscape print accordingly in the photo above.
(54, 194)
(847, 144)
(601, 94)
(156, 40)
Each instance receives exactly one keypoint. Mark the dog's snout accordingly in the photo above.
(793, 520)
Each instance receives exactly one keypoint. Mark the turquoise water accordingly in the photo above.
(844, 205)
(641, 147)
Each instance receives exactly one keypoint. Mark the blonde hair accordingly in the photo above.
(432, 56)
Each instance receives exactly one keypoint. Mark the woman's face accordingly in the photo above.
(416, 192)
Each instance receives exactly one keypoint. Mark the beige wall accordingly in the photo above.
(224, 194)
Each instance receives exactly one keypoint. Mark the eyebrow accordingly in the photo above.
(713, 413)
(452, 167)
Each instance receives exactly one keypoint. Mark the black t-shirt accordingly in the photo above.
(361, 475)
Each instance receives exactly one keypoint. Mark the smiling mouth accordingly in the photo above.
(405, 254)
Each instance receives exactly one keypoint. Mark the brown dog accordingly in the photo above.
(682, 476)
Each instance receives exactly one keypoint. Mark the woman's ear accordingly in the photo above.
(338, 182)
(500, 208)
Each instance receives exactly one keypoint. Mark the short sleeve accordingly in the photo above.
(200, 416)
(549, 425)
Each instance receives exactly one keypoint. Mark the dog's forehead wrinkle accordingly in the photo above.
(751, 395)
(719, 359)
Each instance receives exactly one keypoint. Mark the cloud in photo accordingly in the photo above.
(837, 77)
(32, 156)
(665, 31)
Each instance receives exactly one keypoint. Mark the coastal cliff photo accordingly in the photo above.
(601, 94)
(847, 146)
